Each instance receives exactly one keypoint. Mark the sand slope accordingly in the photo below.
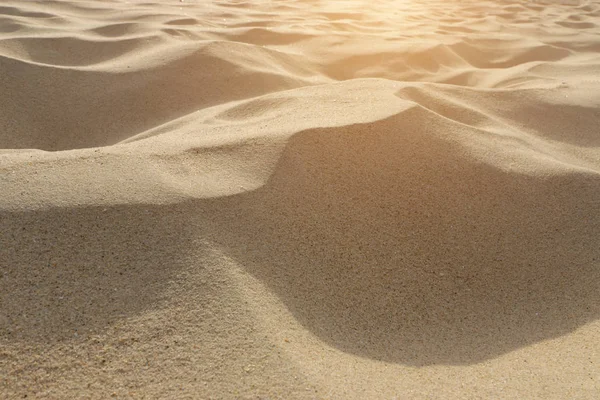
(299, 199)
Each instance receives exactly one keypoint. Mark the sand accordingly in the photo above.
(300, 199)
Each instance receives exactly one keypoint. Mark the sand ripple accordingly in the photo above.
(299, 199)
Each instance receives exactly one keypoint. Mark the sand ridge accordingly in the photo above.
(299, 199)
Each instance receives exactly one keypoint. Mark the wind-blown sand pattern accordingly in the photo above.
(300, 199)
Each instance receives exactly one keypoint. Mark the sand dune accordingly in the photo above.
(299, 199)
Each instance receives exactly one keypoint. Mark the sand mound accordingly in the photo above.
(299, 199)
(393, 244)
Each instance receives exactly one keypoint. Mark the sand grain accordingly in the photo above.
(299, 199)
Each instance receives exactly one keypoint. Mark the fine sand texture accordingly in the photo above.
(300, 199)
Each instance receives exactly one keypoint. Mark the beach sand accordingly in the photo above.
(300, 199)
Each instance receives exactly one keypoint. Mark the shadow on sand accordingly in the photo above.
(403, 248)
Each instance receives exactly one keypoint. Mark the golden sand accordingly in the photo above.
(300, 199)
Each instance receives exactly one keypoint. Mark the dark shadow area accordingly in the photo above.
(387, 242)
(77, 271)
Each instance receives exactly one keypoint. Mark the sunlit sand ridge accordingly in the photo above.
(300, 199)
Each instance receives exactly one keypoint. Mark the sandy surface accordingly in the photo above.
(300, 199)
